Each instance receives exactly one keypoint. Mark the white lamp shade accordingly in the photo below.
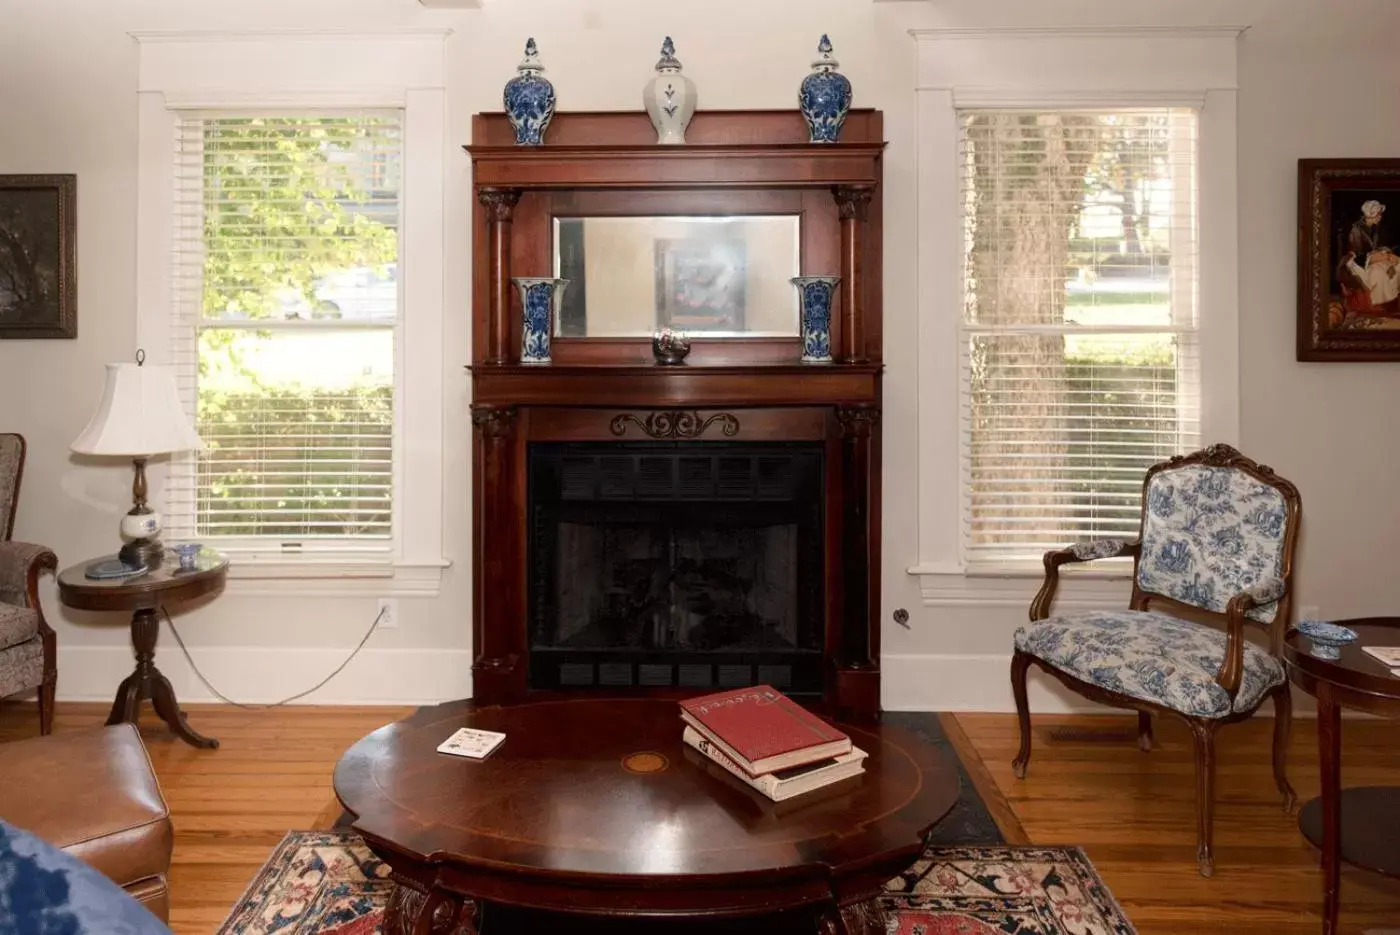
(140, 414)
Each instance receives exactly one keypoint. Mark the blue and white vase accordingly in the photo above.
(529, 99)
(824, 97)
(815, 294)
(540, 298)
(669, 98)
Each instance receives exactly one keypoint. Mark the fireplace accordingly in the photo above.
(645, 528)
(688, 564)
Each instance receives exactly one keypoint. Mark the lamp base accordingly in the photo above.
(142, 553)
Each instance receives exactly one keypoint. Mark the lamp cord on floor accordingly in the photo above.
(276, 704)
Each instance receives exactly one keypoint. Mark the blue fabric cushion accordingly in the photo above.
(44, 891)
(1152, 657)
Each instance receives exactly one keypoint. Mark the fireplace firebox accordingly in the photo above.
(688, 564)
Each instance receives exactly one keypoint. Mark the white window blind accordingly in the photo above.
(1079, 352)
(286, 307)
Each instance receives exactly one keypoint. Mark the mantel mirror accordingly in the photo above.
(712, 277)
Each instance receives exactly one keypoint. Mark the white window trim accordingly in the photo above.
(1058, 68)
(401, 69)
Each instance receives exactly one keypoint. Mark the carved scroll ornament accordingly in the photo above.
(675, 423)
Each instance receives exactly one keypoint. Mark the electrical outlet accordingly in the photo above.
(388, 613)
(1310, 612)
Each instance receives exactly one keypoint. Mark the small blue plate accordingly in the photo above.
(113, 568)
(1320, 631)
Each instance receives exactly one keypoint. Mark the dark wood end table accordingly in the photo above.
(146, 596)
(594, 808)
(1361, 825)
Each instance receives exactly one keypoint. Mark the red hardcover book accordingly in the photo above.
(763, 730)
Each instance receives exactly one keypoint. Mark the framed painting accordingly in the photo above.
(700, 284)
(38, 226)
(1348, 259)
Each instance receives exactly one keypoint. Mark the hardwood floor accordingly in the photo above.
(270, 775)
(1132, 812)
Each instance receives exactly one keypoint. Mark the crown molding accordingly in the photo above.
(942, 33)
(264, 35)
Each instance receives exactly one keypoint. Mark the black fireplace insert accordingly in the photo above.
(690, 564)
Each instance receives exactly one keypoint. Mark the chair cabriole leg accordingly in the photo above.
(1021, 662)
(1283, 725)
(1204, 734)
(1144, 731)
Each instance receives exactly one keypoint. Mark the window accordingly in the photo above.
(1078, 331)
(286, 309)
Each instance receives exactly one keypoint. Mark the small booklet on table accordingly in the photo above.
(1387, 655)
(472, 743)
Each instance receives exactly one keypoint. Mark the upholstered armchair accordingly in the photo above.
(28, 654)
(1214, 557)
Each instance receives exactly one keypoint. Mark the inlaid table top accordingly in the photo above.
(602, 791)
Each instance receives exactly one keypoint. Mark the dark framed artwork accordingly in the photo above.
(1348, 259)
(38, 229)
(700, 284)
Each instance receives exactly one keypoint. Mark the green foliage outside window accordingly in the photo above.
(288, 202)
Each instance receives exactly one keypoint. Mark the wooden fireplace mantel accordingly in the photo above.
(734, 162)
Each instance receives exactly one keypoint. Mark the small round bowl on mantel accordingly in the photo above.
(1327, 638)
(669, 347)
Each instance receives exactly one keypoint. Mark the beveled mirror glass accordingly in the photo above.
(706, 276)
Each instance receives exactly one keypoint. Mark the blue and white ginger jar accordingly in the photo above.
(824, 97)
(540, 298)
(529, 99)
(815, 294)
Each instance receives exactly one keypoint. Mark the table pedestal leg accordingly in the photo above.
(410, 911)
(1329, 748)
(148, 683)
(867, 918)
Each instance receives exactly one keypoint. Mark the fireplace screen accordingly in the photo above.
(693, 563)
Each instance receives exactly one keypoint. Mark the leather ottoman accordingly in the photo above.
(93, 793)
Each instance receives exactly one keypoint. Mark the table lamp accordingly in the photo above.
(139, 416)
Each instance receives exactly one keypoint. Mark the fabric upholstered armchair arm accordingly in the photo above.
(21, 563)
(1262, 594)
(1088, 551)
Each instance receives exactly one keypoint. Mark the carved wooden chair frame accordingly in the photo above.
(1233, 621)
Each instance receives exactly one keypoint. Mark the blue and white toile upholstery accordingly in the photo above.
(1150, 656)
(1210, 533)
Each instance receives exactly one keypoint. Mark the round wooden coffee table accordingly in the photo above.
(1359, 825)
(594, 807)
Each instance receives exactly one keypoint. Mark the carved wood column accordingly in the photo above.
(497, 630)
(500, 208)
(853, 203)
(858, 674)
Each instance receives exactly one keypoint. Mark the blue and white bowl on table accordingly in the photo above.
(1326, 639)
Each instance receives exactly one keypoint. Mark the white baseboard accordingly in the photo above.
(262, 675)
(947, 682)
(935, 682)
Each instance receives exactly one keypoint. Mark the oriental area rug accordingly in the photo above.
(328, 883)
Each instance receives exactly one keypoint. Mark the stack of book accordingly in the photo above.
(763, 738)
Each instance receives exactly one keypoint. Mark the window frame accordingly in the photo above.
(1056, 69)
(330, 71)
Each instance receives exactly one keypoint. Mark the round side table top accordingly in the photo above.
(1355, 670)
(146, 590)
(603, 790)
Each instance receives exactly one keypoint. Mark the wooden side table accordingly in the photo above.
(145, 596)
(1361, 825)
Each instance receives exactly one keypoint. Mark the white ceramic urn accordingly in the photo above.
(669, 98)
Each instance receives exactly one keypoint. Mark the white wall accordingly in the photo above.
(1315, 80)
